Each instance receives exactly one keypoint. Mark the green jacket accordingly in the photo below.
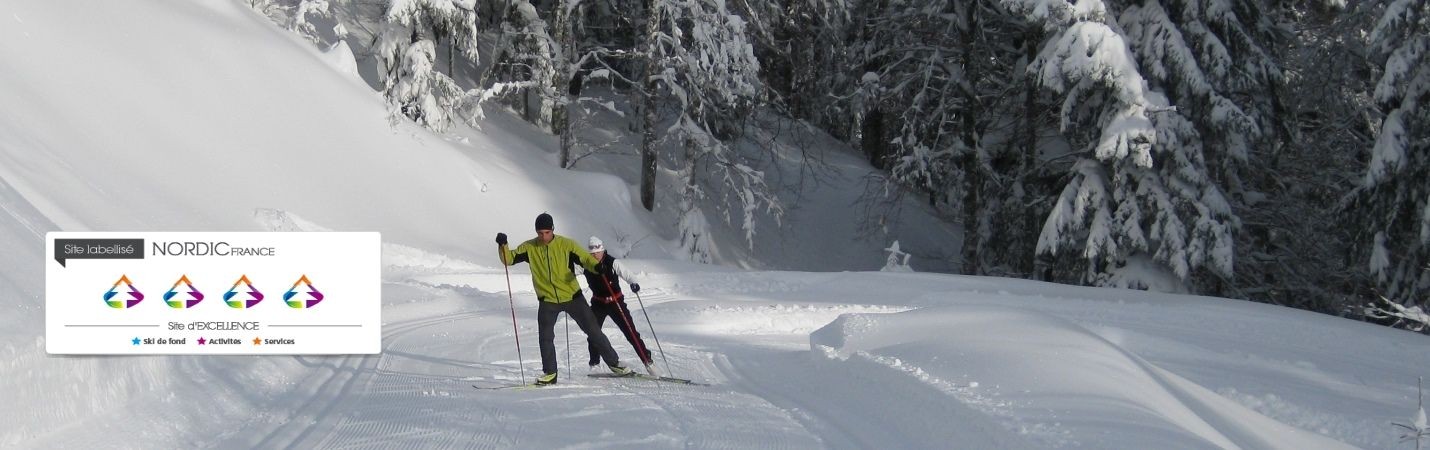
(551, 264)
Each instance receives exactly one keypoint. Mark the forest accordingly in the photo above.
(1272, 151)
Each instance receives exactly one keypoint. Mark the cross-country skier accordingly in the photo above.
(608, 301)
(551, 258)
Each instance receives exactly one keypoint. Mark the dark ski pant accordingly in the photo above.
(577, 310)
(622, 318)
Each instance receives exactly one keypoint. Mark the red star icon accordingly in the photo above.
(201, 341)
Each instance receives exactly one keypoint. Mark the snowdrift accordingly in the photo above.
(1046, 370)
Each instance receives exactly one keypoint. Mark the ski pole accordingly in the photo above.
(641, 351)
(568, 345)
(520, 363)
(652, 334)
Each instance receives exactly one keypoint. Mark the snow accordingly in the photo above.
(340, 57)
(1419, 420)
(202, 116)
(1099, 395)
(1125, 191)
(898, 260)
(1380, 258)
(1388, 156)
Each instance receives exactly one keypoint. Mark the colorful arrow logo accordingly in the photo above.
(254, 295)
(134, 295)
(194, 295)
(312, 292)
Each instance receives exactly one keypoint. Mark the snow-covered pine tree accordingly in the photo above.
(1295, 247)
(406, 51)
(549, 55)
(1027, 180)
(1395, 192)
(595, 43)
(528, 61)
(1212, 58)
(804, 53)
(271, 9)
(554, 59)
(700, 66)
(940, 70)
(1140, 201)
(300, 23)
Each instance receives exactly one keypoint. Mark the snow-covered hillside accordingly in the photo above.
(200, 115)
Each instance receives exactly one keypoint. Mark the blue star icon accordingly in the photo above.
(136, 341)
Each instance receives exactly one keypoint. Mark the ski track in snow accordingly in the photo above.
(769, 389)
(794, 367)
(794, 361)
(417, 394)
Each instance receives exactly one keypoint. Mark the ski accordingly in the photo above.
(648, 377)
(520, 387)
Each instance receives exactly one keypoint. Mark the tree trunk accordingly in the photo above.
(526, 111)
(871, 138)
(648, 86)
(648, 156)
(561, 115)
(1031, 189)
(561, 124)
(973, 167)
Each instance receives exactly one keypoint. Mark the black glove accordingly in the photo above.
(636, 287)
(501, 238)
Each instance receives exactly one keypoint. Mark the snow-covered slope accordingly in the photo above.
(199, 115)
(192, 115)
(829, 222)
(203, 116)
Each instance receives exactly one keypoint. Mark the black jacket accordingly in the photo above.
(605, 281)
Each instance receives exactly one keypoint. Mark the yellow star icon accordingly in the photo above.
(257, 341)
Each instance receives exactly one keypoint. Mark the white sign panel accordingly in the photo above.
(200, 293)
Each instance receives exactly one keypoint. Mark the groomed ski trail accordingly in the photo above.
(419, 394)
(762, 340)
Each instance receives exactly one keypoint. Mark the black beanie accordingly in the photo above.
(544, 222)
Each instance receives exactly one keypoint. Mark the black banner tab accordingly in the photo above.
(98, 249)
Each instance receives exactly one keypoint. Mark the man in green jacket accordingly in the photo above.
(551, 258)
